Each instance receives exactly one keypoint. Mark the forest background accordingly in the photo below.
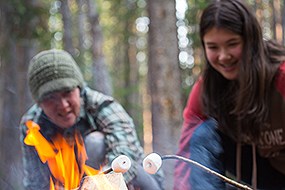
(145, 53)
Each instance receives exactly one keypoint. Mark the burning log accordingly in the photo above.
(114, 181)
(153, 162)
(107, 180)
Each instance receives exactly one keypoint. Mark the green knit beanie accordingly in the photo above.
(53, 70)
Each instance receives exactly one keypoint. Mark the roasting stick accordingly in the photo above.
(153, 161)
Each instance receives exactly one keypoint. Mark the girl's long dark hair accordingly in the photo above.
(244, 102)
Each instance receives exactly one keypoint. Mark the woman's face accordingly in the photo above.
(224, 50)
(62, 107)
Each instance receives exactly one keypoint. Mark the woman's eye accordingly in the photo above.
(67, 93)
(49, 97)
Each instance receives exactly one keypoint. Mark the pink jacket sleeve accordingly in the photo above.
(281, 80)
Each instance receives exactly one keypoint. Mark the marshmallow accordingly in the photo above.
(152, 163)
(121, 164)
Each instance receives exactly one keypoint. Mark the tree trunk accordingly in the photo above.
(274, 20)
(134, 99)
(67, 26)
(102, 81)
(17, 49)
(14, 106)
(164, 80)
(81, 21)
(283, 23)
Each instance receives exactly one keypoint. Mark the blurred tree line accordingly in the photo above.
(145, 53)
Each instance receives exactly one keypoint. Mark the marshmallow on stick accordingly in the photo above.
(121, 164)
(152, 163)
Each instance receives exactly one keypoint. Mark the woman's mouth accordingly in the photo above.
(65, 114)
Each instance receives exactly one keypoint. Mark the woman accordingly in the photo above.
(234, 120)
(73, 121)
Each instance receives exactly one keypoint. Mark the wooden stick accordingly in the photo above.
(224, 178)
(107, 171)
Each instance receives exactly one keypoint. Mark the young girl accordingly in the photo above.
(234, 121)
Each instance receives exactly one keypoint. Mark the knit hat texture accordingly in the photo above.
(53, 70)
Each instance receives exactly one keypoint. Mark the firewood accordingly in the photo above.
(111, 181)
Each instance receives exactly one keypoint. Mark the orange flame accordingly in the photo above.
(66, 167)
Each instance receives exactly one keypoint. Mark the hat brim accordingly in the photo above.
(57, 85)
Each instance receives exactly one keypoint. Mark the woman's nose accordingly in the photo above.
(62, 101)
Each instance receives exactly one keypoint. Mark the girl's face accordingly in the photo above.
(224, 50)
(62, 107)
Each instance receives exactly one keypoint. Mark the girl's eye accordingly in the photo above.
(212, 47)
(233, 44)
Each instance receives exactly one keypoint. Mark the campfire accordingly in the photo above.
(66, 157)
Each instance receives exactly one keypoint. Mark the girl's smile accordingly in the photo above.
(224, 50)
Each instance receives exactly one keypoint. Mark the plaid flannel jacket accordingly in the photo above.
(98, 113)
